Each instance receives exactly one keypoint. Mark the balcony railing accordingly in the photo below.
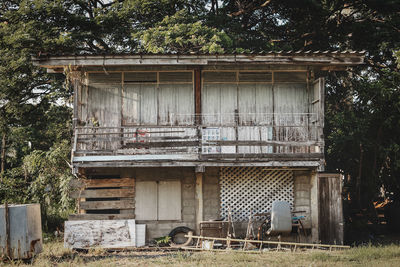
(214, 136)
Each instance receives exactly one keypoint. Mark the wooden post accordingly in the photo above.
(197, 95)
(314, 207)
(75, 80)
(199, 200)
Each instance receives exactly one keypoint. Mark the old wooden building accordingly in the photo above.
(173, 140)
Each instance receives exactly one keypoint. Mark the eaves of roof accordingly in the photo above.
(321, 58)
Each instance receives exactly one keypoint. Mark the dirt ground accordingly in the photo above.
(55, 254)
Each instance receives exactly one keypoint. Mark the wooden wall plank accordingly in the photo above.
(290, 98)
(148, 104)
(219, 100)
(103, 193)
(210, 102)
(228, 103)
(175, 99)
(139, 105)
(330, 209)
(247, 102)
(103, 205)
(104, 104)
(264, 103)
(185, 106)
(131, 102)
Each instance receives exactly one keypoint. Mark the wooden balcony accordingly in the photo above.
(222, 139)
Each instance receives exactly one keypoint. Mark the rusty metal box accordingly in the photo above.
(20, 231)
(214, 228)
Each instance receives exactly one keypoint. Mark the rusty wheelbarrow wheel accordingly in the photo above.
(178, 238)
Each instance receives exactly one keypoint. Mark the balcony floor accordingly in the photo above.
(186, 160)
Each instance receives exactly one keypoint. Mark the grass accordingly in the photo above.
(55, 254)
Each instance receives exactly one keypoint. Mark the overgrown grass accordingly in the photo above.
(55, 254)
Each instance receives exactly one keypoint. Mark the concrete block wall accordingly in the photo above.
(211, 194)
(302, 195)
(303, 187)
(156, 229)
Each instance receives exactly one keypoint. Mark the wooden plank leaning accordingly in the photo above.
(246, 241)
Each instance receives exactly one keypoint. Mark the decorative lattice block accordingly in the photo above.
(246, 189)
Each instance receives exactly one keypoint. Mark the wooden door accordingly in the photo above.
(330, 208)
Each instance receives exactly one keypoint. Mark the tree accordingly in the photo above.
(362, 121)
(182, 33)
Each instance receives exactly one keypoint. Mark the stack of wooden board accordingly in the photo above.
(104, 198)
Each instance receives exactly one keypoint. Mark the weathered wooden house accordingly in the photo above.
(173, 140)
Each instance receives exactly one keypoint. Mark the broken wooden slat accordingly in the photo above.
(103, 193)
(97, 183)
(103, 205)
(78, 217)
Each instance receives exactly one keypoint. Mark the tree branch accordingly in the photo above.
(250, 7)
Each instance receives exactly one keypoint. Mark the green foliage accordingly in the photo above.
(13, 186)
(43, 178)
(163, 241)
(397, 55)
(182, 33)
(49, 175)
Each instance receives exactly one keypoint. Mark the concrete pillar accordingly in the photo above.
(199, 200)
